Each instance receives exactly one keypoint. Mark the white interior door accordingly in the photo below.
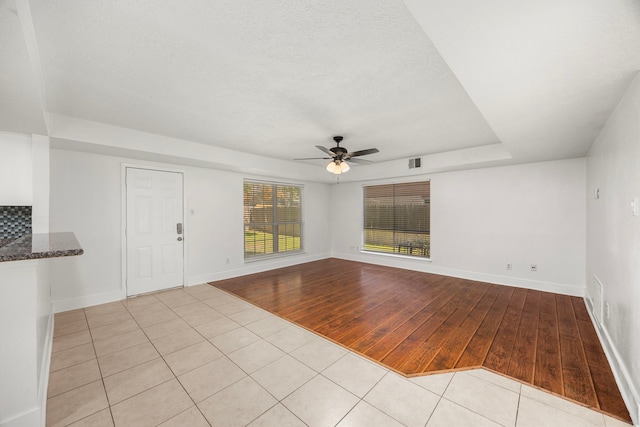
(155, 239)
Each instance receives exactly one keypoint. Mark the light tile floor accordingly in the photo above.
(199, 356)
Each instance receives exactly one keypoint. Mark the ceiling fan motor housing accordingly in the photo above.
(340, 155)
(339, 151)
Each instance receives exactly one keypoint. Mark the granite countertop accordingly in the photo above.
(41, 245)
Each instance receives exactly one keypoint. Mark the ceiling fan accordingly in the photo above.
(340, 155)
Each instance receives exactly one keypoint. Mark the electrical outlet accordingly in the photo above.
(509, 267)
(534, 267)
(607, 310)
(228, 260)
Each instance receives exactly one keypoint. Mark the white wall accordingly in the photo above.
(613, 238)
(18, 361)
(40, 183)
(24, 175)
(485, 218)
(24, 181)
(15, 170)
(86, 199)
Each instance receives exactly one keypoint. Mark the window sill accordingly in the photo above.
(273, 256)
(396, 255)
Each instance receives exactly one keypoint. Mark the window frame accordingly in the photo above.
(275, 224)
(408, 253)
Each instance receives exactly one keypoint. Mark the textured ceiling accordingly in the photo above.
(546, 74)
(276, 78)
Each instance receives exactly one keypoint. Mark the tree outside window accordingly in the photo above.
(272, 219)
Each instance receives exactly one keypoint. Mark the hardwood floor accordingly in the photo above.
(418, 323)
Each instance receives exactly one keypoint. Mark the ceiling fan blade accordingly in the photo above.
(363, 152)
(325, 150)
(315, 158)
(359, 161)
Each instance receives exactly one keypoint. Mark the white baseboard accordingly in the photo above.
(248, 268)
(623, 378)
(254, 267)
(38, 415)
(271, 264)
(86, 301)
(28, 419)
(426, 266)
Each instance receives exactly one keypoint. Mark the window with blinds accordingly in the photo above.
(397, 218)
(272, 219)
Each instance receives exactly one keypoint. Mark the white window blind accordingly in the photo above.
(272, 219)
(397, 218)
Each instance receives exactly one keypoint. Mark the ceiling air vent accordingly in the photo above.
(414, 163)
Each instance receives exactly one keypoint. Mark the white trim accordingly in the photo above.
(29, 33)
(123, 219)
(396, 255)
(623, 378)
(303, 222)
(38, 415)
(423, 177)
(86, 301)
(255, 267)
(26, 419)
(45, 365)
(123, 230)
(410, 263)
(265, 181)
(390, 181)
(258, 258)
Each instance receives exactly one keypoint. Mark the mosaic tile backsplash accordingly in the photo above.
(15, 221)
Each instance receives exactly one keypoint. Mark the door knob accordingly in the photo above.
(179, 239)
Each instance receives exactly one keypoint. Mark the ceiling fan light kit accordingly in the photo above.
(338, 167)
(339, 156)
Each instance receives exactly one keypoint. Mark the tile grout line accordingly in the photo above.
(249, 375)
(162, 357)
(205, 339)
(104, 387)
(102, 377)
(519, 393)
(348, 351)
(518, 406)
(286, 353)
(169, 367)
(439, 400)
